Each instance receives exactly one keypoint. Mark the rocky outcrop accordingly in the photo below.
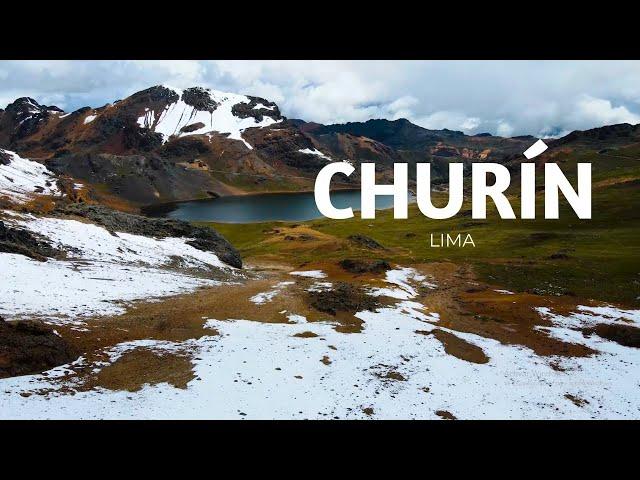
(28, 347)
(22, 118)
(345, 297)
(203, 238)
(5, 158)
(155, 94)
(364, 241)
(266, 109)
(22, 242)
(143, 178)
(199, 99)
(364, 265)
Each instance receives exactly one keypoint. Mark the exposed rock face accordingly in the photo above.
(199, 99)
(158, 93)
(22, 242)
(365, 241)
(345, 297)
(281, 147)
(267, 109)
(364, 265)
(22, 118)
(28, 347)
(192, 128)
(5, 158)
(142, 179)
(204, 238)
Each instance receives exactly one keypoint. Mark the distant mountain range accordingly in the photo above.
(164, 144)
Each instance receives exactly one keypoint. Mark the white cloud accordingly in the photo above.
(504, 129)
(450, 120)
(500, 97)
(597, 110)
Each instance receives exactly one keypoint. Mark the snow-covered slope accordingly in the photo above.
(101, 270)
(95, 243)
(21, 178)
(180, 118)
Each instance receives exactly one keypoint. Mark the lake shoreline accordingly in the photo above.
(260, 207)
(146, 209)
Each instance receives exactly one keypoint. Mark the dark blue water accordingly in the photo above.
(262, 207)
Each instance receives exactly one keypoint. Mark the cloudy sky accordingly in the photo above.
(500, 97)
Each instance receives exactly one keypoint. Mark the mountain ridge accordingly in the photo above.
(163, 144)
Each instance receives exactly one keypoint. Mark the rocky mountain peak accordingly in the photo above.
(25, 107)
(200, 99)
(24, 116)
(157, 93)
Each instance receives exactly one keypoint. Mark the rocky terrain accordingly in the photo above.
(385, 142)
(164, 144)
(105, 313)
(64, 258)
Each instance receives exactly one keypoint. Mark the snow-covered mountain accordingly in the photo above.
(165, 144)
(196, 111)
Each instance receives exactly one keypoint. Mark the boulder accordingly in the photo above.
(28, 347)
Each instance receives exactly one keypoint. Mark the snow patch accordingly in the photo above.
(66, 290)
(23, 178)
(264, 297)
(316, 152)
(261, 106)
(294, 318)
(320, 287)
(590, 316)
(310, 274)
(102, 270)
(95, 243)
(179, 114)
(402, 278)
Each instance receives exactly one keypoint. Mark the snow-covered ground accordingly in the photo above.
(101, 271)
(66, 291)
(222, 120)
(261, 370)
(96, 243)
(310, 274)
(23, 178)
(264, 297)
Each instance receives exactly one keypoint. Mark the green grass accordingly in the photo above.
(603, 253)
